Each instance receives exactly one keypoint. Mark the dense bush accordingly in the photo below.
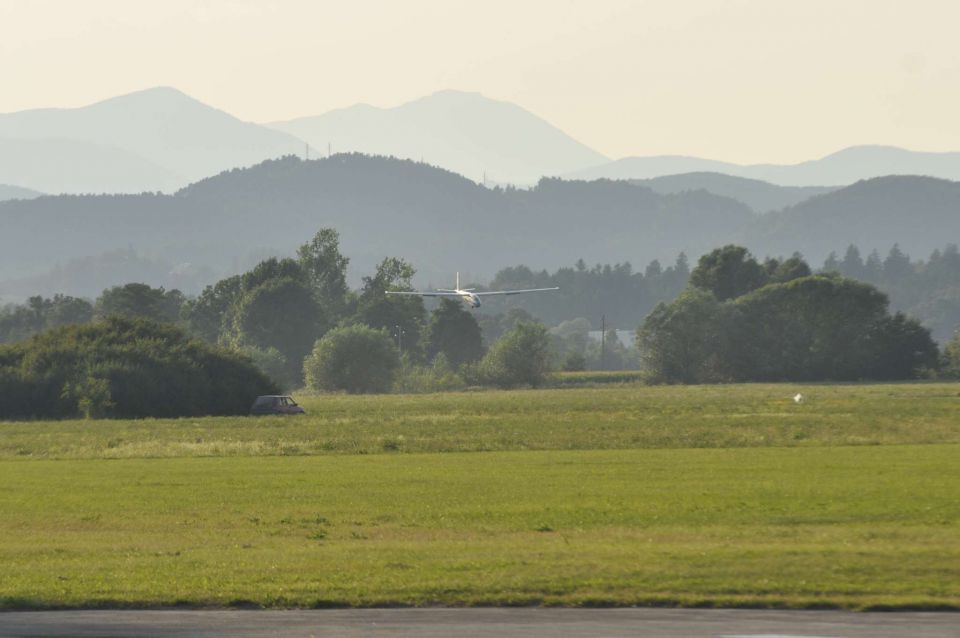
(520, 357)
(812, 328)
(124, 368)
(682, 342)
(356, 359)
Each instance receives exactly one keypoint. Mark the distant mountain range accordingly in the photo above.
(918, 213)
(463, 132)
(443, 222)
(843, 167)
(157, 139)
(161, 139)
(437, 219)
(56, 165)
(16, 192)
(760, 196)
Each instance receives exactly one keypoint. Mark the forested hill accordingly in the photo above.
(843, 167)
(442, 222)
(434, 218)
(918, 213)
(761, 196)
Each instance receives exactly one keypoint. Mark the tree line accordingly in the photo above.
(282, 324)
(743, 320)
(299, 323)
(927, 290)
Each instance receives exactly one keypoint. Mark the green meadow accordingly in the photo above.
(619, 494)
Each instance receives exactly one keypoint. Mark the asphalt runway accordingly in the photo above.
(480, 623)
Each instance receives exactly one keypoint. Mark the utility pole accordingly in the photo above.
(329, 149)
(306, 154)
(603, 342)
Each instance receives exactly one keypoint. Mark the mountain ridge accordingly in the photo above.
(382, 206)
(161, 138)
(917, 212)
(461, 131)
(9, 191)
(842, 167)
(760, 196)
(443, 222)
(184, 138)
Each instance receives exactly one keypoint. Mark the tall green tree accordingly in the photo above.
(283, 314)
(899, 348)
(326, 269)
(896, 267)
(454, 332)
(393, 313)
(65, 310)
(813, 328)
(779, 272)
(205, 316)
(685, 341)
(728, 272)
(18, 322)
(271, 269)
(852, 264)
(272, 309)
(140, 300)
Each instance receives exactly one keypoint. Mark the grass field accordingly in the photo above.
(611, 417)
(720, 495)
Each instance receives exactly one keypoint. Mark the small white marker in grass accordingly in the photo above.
(798, 398)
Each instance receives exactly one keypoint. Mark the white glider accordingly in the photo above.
(467, 295)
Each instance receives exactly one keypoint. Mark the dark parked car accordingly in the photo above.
(275, 404)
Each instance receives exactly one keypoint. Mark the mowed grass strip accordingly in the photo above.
(852, 527)
(617, 417)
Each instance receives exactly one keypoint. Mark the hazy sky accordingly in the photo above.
(739, 80)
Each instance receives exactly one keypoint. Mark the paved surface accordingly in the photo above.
(481, 623)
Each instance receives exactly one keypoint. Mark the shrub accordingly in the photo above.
(519, 357)
(355, 359)
(813, 328)
(124, 368)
